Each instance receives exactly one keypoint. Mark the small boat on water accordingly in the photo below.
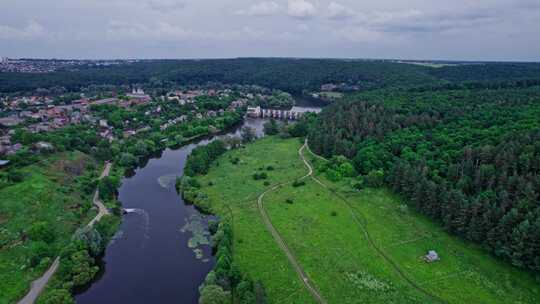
(128, 211)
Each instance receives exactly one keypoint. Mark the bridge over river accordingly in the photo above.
(293, 114)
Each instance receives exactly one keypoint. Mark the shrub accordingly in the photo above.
(214, 294)
(38, 251)
(375, 179)
(58, 296)
(213, 226)
(259, 176)
(266, 183)
(92, 238)
(200, 159)
(333, 213)
(403, 208)
(107, 187)
(15, 176)
(298, 183)
(41, 231)
(289, 201)
(271, 127)
(128, 160)
(270, 168)
(333, 175)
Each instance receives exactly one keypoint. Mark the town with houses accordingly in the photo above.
(51, 65)
(40, 114)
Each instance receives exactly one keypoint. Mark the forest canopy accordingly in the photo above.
(290, 75)
(469, 159)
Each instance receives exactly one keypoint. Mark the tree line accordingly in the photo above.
(287, 74)
(469, 159)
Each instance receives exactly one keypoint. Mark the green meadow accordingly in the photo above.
(356, 246)
(38, 216)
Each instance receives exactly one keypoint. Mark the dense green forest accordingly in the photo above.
(468, 158)
(291, 75)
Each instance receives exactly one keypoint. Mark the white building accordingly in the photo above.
(254, 112)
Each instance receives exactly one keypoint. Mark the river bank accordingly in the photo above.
(153, 244)
(161, 252)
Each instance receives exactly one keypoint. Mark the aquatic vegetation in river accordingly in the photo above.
(197, 225)
(167, 181)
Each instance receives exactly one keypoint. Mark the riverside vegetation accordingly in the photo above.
(40, 212)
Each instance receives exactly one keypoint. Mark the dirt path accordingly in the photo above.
(366, 233)
(279, 240)
(37, 287)
(102, 210)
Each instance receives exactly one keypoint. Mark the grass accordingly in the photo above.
(234, 192)
(328, 237)
(49, 194)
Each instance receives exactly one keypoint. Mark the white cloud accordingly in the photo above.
(31, 30)
(337, 11)
(416, 21)
(119, 30)
(301, 9)
(266, 8)
(167, 32)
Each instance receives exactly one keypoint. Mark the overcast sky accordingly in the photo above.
(413, 29)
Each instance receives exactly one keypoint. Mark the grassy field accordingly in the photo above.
(50, 194)
(357, 247)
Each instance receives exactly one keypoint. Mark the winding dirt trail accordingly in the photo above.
(102, 210)
(279, 240)
(366, 233)
(37, 287)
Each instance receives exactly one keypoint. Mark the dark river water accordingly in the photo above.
(149, 260)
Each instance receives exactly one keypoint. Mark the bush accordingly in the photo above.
(333, 213)
(259, 176)
(107, 227)
(58, 296)
(214, 294)
(92, 238)
(42, 231)
(107, 187)
(298, 183)
(271, 127)
(15, 176)
(128, 160)
(403, 208)
(200, 159)
(38, 251)
(77, 267)
(375, 179)
(186, 183)
(270, 168)
(266, 183)
(289, 201)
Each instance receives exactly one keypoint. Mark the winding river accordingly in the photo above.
(151, 259)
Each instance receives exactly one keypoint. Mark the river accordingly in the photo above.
(149, 260)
